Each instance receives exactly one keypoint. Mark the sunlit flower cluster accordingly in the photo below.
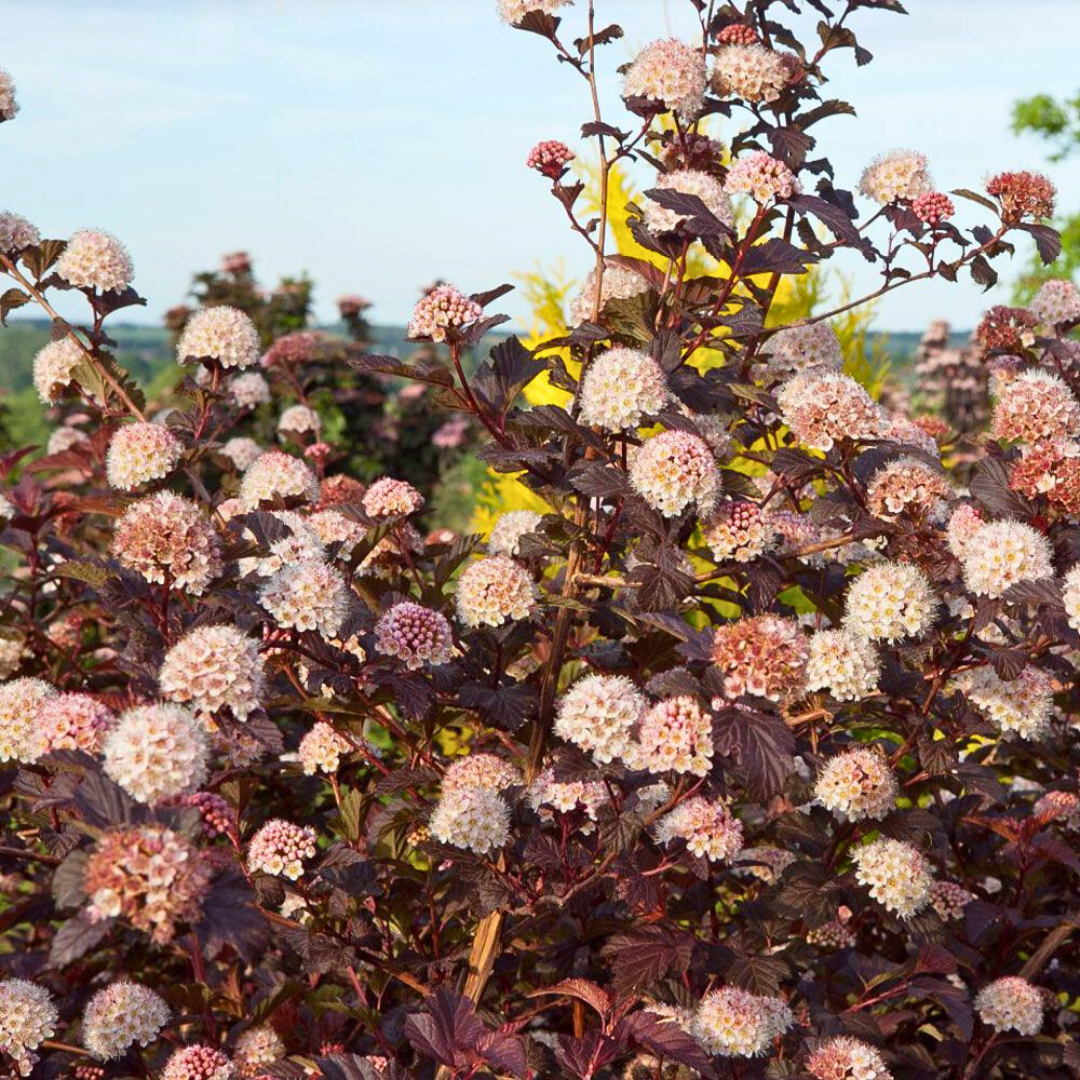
(95, 260)
(620, 388)
(740, 531)
(277, 475)
(907, 486)
(1011, 1004)
(1024, 705)
(764, 656)
(139, 453)
(74, 721)
(213, 668)
(28, 1016)
(897, 175)
(598, 713)
(223, 334)
(120, 1015)
(387, 498)
(890, 601)
(751, 72)
(617, 283)
(843, 663)
(495, 590)
(1000, 553)
(675, 470)
(670, 73)
(845, 1058)
(736, 1023)
(675, 735)
(474, 818)
(54, 367)
(307, 595)
(21, 704)
(509, 528)
(794, 349)
(1023, 195)
(708, 827)
(762, 177)
(857, 784)
(896, 873)
(280, 848)
(1036, 405)
(416, 635)
(687, 182)
(1056, 302)
(442, 313)
(823, 407)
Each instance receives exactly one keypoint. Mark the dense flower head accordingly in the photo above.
(845, 1058)
(478, 769)
(141, 452)
(890, 601)
(1022, 195)
(751, 72)
(844, 663)
(73, 721)
(598, 714)
(277, 475)
(674, 735)
(119, 1015)
(509, 528)
(442, 312)
(897, 874)
(549, 157)
(1003, 327)
(249, 390)
(493, 590)
(857, 785)
(95, 260)
(307, 595)
(670, 73)
(54, 367)
(618, 283)
(897, 175)
(675, 470)
(513, 11)
(1024, 705)
(737, 1023)
(198, 1062)
(256, 1047)
(299, 420)
(242, 450)
(156, 752)
(223, 334)
(566, 796)
(21, 704)
(150, 876)
(280, 848)
(822, 407)
(762, 177)
(1011, 1004)
(738, 34)
(949, 899)
(216, 813)
(907, 486)
(794, 349)
(471, 817)
(334, 527)
(709, 828)
(415, 634)
(1034, 406)
(688, 182)
(8, 105)
(621, 388)
(213, 668)
(739, 531)
(28, 1016)
(167, 537)
(387, 498)
(1052, 470)
(763, 655)
(1056, 302)
(1001, 553)
(322, 748)
(932, 207)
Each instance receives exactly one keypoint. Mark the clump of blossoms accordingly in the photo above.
(16, 233)
(249, 390)
(844, 663)
(508, 530)
(708, 828)
(896, 874)
(471, 817)
(675, 470)
(761, 177)
(749, 71)
(617, 283)
(845, 1058)
(28, 1016)
(414, 634)
(308, 595)
(256, 1047)
(949, 899)
(212, 668)
(223, 334)
(1024, 705)
(299, 420)
(167, 538)
(494, 590)
(1011, 1004)
(549, 158)
(198, 1062)
(120, 1015)
(802, 348)
(280, 848)
(388, 498)
(277, 476)
(688, 182)
(322, 749)
(739, 530)
(74, 721)
(477, 769)
(900, 175)
(1034, 406)
(139, 453)
(856, 785)
(151, 876)
(674, 735)
(1003, 328)
(889, 602)
(621, 388)
(669, 73)
(1056, 302)
(932, 207)
(442, 313)
(825, 407)
(764, 656)
(513, 11)
(1023, 195)
(95, 260)
(242, 450)
(907, 486)
(1001, 553)
(156, 752)
(21, 704)
(737, 1023)
(54, 367)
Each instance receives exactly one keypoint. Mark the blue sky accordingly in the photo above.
(380, 143)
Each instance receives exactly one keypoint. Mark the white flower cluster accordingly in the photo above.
(896, 874)
(688, 182)
(28, 1016)
(889, 602)
(675, 470)
(1024, 705)
(856, 785)
(897, 175)
(213, 668)
(1000, 553)
(54, 367)
(121, 1014)
(1011, 1004)
(598, 713)
(509, 528)
(843, 663)
(495, 590)
(709, 828)
(621, 388)
(307, 595)
(736, 1023)
(223, 334)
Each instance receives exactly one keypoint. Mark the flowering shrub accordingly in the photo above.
(751, 757)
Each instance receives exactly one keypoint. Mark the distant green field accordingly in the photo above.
(145, 351)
